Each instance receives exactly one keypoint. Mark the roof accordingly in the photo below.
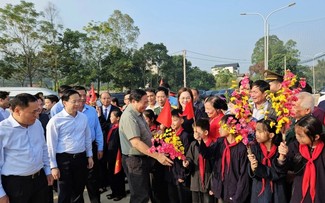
(30, 90)
(226, 65)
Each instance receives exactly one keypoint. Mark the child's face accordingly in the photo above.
(114, 119)
(301, 136)
(223, 132)
(202, 133)
(262, 135)
(176, 122)
(147, 119)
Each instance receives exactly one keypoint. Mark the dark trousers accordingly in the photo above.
(137, 170)
(202, 197)
(159, 187)
(92, 184)
(117, 180)
(26, 189)
(73, 177)
(179, 193)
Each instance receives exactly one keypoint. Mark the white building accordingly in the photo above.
(232, 67)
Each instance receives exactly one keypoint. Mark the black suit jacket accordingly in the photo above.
(105, 124)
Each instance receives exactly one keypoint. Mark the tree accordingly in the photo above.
(279, 54)
(224, 78)
(152, 59)
(21, 38)
(123, 31)
(50, 53)
(319, 74)
(199, 79)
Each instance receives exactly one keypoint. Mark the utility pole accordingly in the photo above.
(184, 67)
(285, 64)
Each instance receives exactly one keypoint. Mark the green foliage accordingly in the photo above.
(280, 53)
(199, 79)
(224, 79)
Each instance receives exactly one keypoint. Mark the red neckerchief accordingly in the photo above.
(109, 134)
(226, 157)
(309, 178)
(154, 127)
(202, 162)
(179, 131)
(266, 161)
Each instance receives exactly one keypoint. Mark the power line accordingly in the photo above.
(212, 60)
(311, 59)
(232, 59)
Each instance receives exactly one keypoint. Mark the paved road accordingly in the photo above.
(103, 198)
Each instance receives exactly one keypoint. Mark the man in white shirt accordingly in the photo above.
(69, 145)
(4, 104)
(24, 160)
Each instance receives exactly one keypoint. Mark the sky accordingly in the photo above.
(211, 31)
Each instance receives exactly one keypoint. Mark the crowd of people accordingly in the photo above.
(64, 144)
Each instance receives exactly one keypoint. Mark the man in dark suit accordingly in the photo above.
(104, 113)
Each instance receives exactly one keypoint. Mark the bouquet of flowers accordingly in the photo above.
(168, 143)
(282, 101)
(242, 110)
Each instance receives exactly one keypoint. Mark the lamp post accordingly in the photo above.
(314, 81)
(266, 32)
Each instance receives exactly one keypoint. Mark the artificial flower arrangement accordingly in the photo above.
(283, 101)
(168, 143)
(242, 109)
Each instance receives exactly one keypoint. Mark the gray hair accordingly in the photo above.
(307, 101)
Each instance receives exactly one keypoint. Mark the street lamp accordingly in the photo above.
(266, 32)
(314, 81)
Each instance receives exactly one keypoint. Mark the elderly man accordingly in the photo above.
(24, 160)
(302, 107)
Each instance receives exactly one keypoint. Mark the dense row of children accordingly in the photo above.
(218, 168)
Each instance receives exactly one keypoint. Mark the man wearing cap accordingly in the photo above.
(275, 80)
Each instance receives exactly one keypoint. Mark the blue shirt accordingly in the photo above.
(65, 133)
(94, 125)
(58, 107)
(23, 151)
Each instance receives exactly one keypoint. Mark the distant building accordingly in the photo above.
(232, 67)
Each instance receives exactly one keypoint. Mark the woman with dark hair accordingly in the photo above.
(214, 107)
(306, 157)
(184, 96)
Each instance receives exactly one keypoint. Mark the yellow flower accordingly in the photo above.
(272, 124)
(238, 138)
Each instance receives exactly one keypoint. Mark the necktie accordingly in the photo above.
(105, 113)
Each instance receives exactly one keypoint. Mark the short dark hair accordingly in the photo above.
(52, 97)
(38, 96)
(195, 89)
(203, 123)
(117, 113)
(225, 118)
(67, 93)
(151, 90)
(163, 89)
(177, 113)
(114, 99)
(137, 94)
(4, 94)
(165, 85)
(78, 87)
(62, 88)
(262, 85)
(22, 100)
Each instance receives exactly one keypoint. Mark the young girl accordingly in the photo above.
(200, 168)
(150, 118)
(268, 185)
(306, 157)
(115, 171)
(230, 180)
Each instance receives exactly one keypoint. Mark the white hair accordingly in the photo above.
(307, 101)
